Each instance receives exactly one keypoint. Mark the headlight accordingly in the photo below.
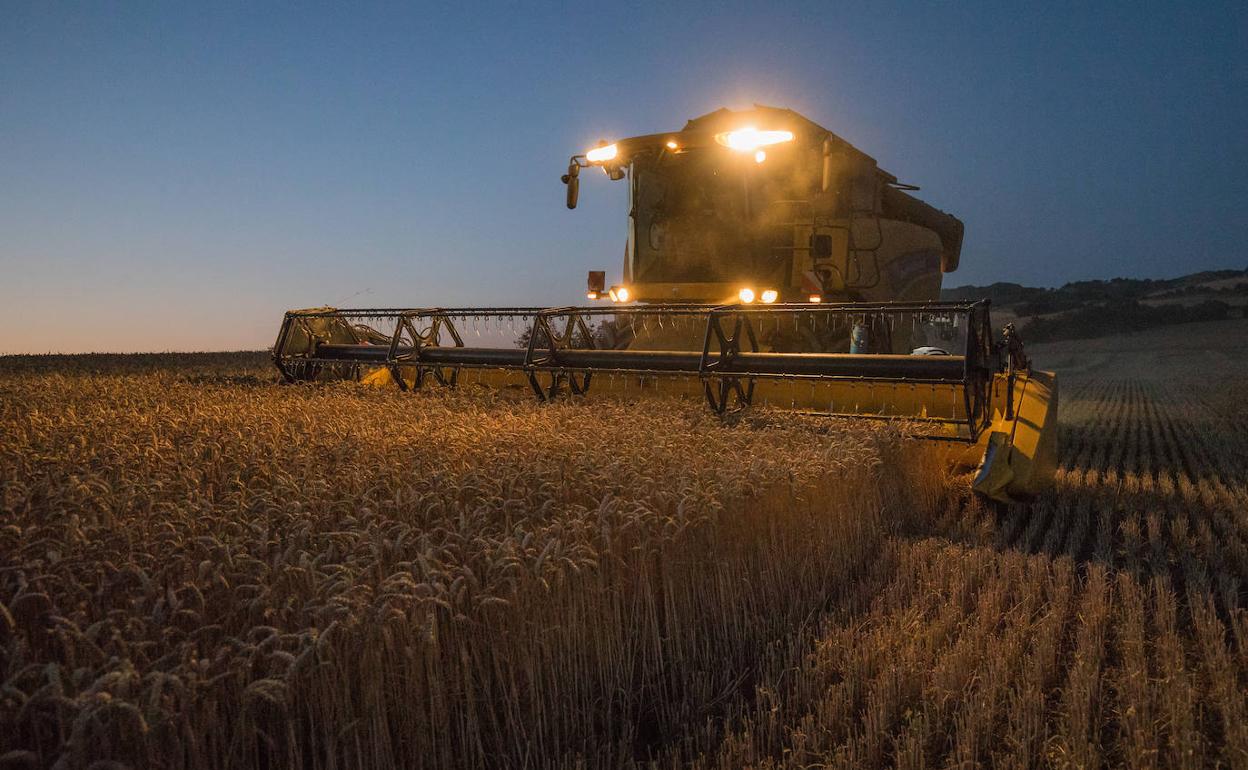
(622, 293)
(750, 138)
(602, 154)
(770, 296)
(746, 295)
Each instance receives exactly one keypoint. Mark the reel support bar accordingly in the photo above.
(945, 369)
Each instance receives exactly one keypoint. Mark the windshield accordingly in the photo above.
(710, 216)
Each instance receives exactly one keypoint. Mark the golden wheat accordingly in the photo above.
(213, 571)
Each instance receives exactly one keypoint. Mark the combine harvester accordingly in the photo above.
(768, 262)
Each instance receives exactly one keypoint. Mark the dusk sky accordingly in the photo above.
(175, 176)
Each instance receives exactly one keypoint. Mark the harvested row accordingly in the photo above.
(1105, 625)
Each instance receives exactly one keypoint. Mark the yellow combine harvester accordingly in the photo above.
(768, 262)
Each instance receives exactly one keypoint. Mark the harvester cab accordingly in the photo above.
(766, 206)
(768, 262)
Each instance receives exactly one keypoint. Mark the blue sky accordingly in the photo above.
(175, 176)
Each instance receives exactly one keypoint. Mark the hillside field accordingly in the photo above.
(201, 569)
(1099, 308)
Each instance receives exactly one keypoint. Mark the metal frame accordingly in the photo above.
(561, 350)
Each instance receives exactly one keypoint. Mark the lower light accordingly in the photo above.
(592, 295)
(746, 295)
(770, 296)
(815, 298)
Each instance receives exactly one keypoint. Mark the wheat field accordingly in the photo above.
(200, 569)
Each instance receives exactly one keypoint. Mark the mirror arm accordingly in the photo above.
(573, 181)
(827, 163)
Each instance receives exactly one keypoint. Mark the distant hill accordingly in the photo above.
(1085, 309)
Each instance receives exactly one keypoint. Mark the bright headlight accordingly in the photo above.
(602, 154)
(746, 295)
(770, 296)
(750, 138)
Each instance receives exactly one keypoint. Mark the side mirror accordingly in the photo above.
(597, 281)
(573, 180)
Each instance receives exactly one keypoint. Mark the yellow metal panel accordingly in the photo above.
(377, 377)
(1020, 454)
(844, 397)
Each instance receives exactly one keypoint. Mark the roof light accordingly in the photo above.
(750, 138)
(770, 296)
(602, 153)
(746, 295)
